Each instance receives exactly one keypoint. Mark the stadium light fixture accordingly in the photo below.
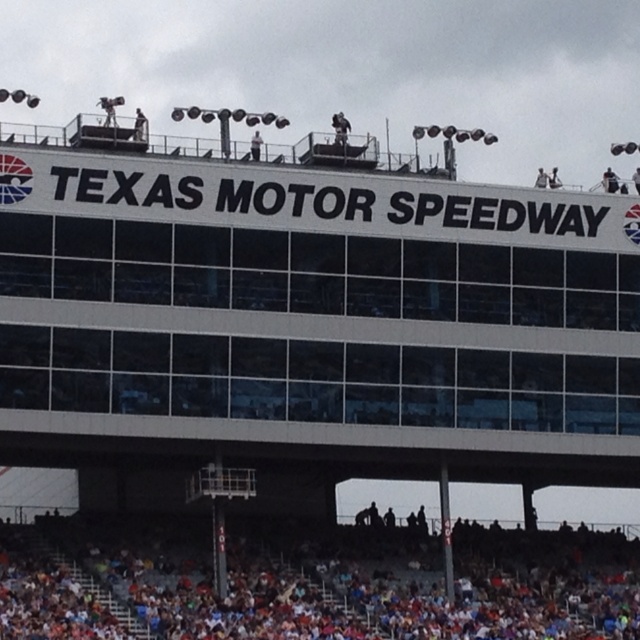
(18, 96)
(252, 119)
(624, 147)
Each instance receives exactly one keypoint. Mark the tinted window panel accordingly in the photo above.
(629, 273)
(377, 363)
(371, 405)
(140, 395)
(25, 277)
(429, 260)
(258, 249)
(538, 267)
(629, 312)
(628, 411)
(483, 263)
(590, 414)
(538, 307)
(198, 354)
(427, 407)
(315, 402)
(316, 360)
(142, 284)
(537, 371)
(82, 280)
(629, 376)
(200, 397)
(80, 391)
(258, 399)
(590, 270)
(24, 346)
(483, 369)
(317, 294)
(483, 410)
(140, 351)
(259, 291)
(143, 241)
(206, 246)
(590, 310)
(478, 303)
(429, 301)
(199, 287)
(256, 358)
(84, 238)
(428, 366)
(81, 349)
(591, 374)
(536, 412)
(373, 257)
(27, 234)
(317, 253)
(24, 389)
(373, 298)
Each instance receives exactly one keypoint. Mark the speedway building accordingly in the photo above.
(313, 316)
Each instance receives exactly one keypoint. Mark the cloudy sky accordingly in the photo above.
(556, 81)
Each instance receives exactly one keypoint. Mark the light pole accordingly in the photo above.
(19, 96)
(224, 116)
(449, 132)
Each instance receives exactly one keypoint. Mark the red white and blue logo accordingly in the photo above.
(15, 179)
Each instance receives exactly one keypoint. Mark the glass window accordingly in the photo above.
(200, 287)
(629, 312)
(536, 412)
(259, 358)
(80, 391)
(81, 349)
(142, 283)
(24, 388)
(629, 273)
(373, 257)
(143, 241)
(590, 414)
(429, 301)
(316, 360)
(260, 249)
(538, 307)
(200, 354)
(628, 411)
(629, 376)
(258, 399)
(372, 297)
(479, 303)
(140, 351)
(317, 253)
(423, 407)
(428, 366)
(484, 263)
(84, 237)
(317, 294)
(140, 395)
(483, 369)
(259, 291)
(25, 277)
(537, 371)
(483, 409)
(591, 374)
(538, 267)
(377, 363)
(199, 397)
(371, 405)
(206, 246)
(315, 402)
(24, 346)
(429, 260)
(82, 280)
(591, 270)
(26, 234)
(591, 310)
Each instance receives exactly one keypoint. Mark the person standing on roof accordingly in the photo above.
(256, 143)
(542, 179)
(342, 128)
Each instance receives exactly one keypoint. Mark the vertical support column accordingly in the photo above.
(219, 533)
(530, 516)
(225, 137)
(445, 514)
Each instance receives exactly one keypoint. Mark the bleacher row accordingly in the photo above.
(296, 580)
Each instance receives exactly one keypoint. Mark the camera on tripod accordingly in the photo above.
(109, 103)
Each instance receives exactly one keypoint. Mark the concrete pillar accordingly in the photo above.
(530, 515)
(447, 528)
(220, 536)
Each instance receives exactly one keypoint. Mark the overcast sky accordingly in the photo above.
(556, 81)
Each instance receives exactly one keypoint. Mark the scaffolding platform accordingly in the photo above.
(97, 136)
(359, 152)
(226, 483)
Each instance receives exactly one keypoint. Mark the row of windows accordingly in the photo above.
(259, 399)
(190, 245)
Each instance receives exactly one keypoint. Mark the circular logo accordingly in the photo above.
(15, 178)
